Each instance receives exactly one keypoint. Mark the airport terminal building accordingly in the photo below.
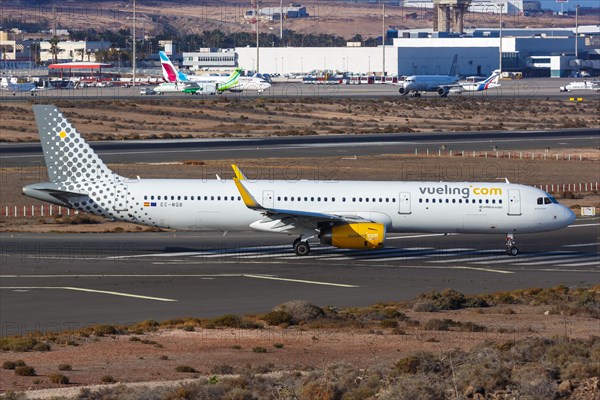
(534, 52)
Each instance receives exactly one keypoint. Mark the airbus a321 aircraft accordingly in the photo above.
(344, 214)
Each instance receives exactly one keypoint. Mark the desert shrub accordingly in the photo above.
(278, 345)
(41, 346)
(389, 323)
(278, 317)
(185, 368)
(421, 362)
(301, 311)
(317, 390)
(18, 344)
(238, 394)
(163, 357)
(58, 378)
(135, 339)
(450, 299)
(188, 328)
(259, 349)
(417, 388)
(65, 367)
(24, 370)
(107, 379)
(449, 324)
(13, 364)
(222, 369)
(233, 321)
(424, 306)
(104, 330)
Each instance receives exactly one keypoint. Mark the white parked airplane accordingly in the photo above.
(430, 83)
(233, 82)
(485, 84)
(344, 214)
(10, 84)
(178, 87)
(585, 85)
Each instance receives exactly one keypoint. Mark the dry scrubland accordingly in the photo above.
(191, 16)
(526, 344)
(224, 117)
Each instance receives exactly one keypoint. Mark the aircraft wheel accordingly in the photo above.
(512, 251)
(301, 248)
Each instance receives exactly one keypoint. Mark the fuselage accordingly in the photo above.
(417, 83)
(444, 207)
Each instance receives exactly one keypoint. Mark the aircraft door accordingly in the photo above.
(514, 202)
(404, 203)
(120, 199)
(268, 199)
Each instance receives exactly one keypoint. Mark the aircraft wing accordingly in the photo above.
(302, 217)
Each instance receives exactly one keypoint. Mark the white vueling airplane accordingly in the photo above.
(344, 214)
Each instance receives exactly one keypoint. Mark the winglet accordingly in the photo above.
(238, 173)
(248, 199)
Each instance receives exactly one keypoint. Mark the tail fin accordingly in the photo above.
(69, 158)
(231, 81)
(170, 73)
(454, 67)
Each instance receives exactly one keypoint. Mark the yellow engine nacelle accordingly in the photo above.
(361, 235)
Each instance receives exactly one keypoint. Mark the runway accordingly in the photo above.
(66, 281)
(511, 89)
(30, 154)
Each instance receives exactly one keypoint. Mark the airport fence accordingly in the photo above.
(36, 211)
(511, 155)
(43, 210)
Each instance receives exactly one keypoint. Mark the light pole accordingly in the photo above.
(576, 31)
(383, 38)
(133, 83)
(281, 19)
(500, 47)
(257, 46)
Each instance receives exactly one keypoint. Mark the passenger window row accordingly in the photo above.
(332, 199)
(198, 198)
(460, 201)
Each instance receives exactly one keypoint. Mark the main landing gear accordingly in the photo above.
(301, 247)
(511, 245)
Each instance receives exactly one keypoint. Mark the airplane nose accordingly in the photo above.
(567, 217)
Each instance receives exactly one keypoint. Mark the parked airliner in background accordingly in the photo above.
(233, 82)
(485, 84)
(585, 85)
(178, 87)
(11, 85)
(344, 214)
(441, 84)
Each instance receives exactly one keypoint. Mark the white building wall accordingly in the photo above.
(283, 60)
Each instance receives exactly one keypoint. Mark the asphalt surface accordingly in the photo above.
(63, 281)
(510, 89)
(30, 154)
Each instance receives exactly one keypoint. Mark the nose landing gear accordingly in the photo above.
(511, 245)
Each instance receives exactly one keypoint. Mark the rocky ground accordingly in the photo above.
(223, 117)
(395, 342)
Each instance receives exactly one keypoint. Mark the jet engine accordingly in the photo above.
(361, 235)
(402, 91)
(443, 91)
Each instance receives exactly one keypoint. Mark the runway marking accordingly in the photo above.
(203, 276)
(582, 264)
(78, 289)
(582, 245)
(498, 271)
(580, 225)
(300, 281)
(420, 236)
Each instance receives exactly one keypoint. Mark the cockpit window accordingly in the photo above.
(547, 200)
(552, 199)
(540, 200)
